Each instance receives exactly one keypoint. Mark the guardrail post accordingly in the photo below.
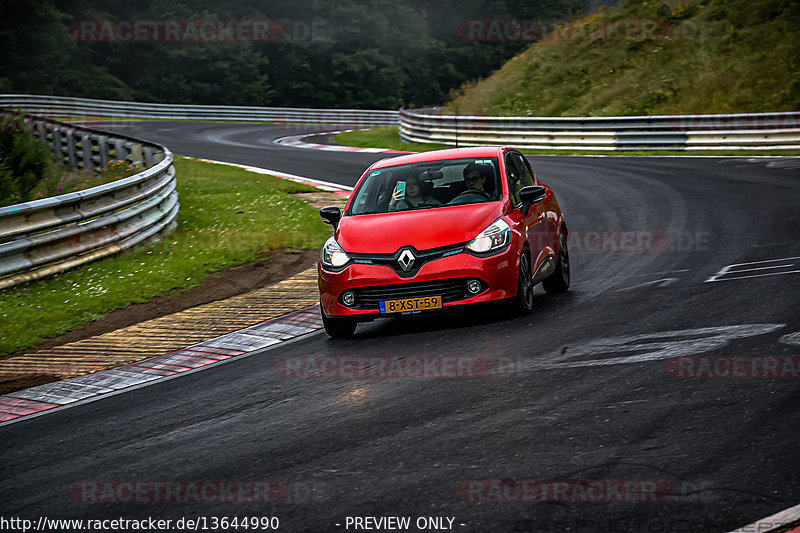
(58, 152)
(39, 127)
(135, 154)
(71, 148)
(120, 151)
(86, 151)
(102, 145)
(149, 160)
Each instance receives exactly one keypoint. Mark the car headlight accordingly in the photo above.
(332, 254)
(492, 238)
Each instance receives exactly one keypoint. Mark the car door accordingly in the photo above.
(537, 225)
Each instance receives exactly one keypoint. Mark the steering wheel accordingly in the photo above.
(464, 194)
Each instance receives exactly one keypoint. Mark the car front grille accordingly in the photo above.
(451, 290)
(420, 258)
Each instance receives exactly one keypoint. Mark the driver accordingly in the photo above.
(475, 178)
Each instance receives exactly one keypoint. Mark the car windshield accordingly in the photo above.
(427, 186)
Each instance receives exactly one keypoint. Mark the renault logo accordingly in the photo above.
(406, 260)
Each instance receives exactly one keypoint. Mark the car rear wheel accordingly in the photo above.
(523, 302)
(338, 328)
(558, 281)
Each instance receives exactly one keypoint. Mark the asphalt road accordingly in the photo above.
(250, 144)
(582, 390)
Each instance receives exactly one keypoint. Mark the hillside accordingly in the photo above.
(652, 57)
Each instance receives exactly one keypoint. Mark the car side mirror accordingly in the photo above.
(532, 194)
(331, 215)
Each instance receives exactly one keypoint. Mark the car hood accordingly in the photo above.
(423, 229)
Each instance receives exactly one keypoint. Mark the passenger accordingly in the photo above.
(413, 198)
(475, 178)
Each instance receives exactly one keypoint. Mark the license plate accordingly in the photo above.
(411, 304)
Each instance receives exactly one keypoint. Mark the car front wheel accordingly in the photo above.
(338, 328)
(523, 302)
(558, 281)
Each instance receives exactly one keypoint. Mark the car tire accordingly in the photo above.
(338, 328)
(523, 301)
(558, 281)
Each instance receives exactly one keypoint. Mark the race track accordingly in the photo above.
(584, 389)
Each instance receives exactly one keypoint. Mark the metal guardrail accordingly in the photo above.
(43, 237)
(750, 131)
(65, 106)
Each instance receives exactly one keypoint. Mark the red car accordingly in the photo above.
(440, 230)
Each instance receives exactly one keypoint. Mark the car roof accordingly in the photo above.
(438, 155)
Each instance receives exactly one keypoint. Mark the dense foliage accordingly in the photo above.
(338, 54)
(24, 163)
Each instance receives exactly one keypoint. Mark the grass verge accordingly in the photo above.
(228, 216)
(385, 137)
(388, 138)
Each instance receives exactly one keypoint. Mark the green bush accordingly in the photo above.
(24, 163)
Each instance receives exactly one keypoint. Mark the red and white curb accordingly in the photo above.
(17, 405)
(297, 141)
(20, 404)
(335, 188)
